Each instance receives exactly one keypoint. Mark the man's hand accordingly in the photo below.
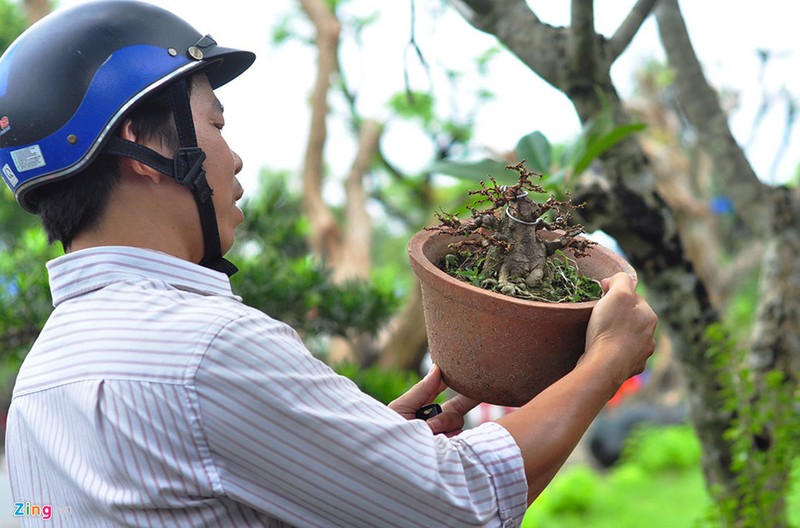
(451, 420)
(621, 328)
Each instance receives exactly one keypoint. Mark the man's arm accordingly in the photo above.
(618, 342)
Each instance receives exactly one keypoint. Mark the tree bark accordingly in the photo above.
(405, 341)
(772, 216)
(325, 235)
(345, 249)
(701, 104)
(355, 259)
(624, 200)
(37, 9)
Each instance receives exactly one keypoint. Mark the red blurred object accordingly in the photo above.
(631, 386)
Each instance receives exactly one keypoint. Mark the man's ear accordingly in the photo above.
(134, 166)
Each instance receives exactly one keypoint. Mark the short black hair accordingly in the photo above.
(76, 204)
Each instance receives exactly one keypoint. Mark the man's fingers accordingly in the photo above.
(422, 393)
(618, 280)
(459, 404)
(451, 420)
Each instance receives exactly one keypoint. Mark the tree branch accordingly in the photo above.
(324, 233)
(583, 38)
(629, 27)
(357, 245)
(540, 46)
(700, 103)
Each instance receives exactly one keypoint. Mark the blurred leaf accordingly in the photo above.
(413, 105)
(279, 276)
(536, 149)
(597, 144)
(471, 170)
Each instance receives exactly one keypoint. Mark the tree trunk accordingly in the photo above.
(324, 235)
(772, 215)
(345, 249)
(37, 9)
(405, 341)
(625, 202)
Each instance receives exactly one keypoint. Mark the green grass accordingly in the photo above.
(626, 497)
(659, 484)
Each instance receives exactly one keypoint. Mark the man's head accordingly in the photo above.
(114, 62)
(72, 205)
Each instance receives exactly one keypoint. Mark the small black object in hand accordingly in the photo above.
(428, 411)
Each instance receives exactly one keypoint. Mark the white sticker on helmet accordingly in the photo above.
(9, 175)
(28, 158)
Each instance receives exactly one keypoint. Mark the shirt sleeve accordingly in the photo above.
(287, 436)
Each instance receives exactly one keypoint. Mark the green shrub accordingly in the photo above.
(660, 469)
(575, 490)
(383, 385)
(662, 449)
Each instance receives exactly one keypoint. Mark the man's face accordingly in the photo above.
(221, 163)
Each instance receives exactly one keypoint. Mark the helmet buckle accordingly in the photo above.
(188, 171)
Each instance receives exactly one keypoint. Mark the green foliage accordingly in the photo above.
(741, 309)
(473, 170)
(664, 449)
(575, 491)
(14, 23)
(14, 220)
(762, 437)
(643, 490)
(536, 149)
(459, 266)
(570, 282)
(382, 384)
(278, 276)
(414, 105)
(597, 137)
(25, 301)
(484, 59)
(301, 293)
(659, 484)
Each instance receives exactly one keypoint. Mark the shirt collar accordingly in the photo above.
(90, 269)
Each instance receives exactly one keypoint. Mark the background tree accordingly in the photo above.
(343, 237)
(624, 200)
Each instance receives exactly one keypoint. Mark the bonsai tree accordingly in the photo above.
(515, 245)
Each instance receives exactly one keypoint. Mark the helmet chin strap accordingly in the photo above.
(187, 169)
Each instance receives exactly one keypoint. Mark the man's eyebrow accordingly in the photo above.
(219, 105)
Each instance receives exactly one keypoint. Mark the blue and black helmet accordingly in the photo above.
(68, 81)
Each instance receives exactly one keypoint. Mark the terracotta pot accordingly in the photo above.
(495, 348)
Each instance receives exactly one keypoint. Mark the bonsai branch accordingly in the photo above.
(500, 246)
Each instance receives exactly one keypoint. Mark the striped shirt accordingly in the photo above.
(155, 397)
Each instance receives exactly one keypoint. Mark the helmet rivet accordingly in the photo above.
(172, 51)
(195, 53)
(72, 139)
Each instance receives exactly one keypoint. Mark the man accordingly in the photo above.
(153, 396)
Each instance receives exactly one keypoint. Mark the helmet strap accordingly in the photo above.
(187, 169)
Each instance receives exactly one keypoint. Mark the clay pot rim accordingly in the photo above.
(418, 258)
